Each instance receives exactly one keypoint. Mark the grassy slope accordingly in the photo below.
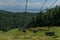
(29, 35)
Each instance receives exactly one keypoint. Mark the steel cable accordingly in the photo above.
(43, 4)
(53, 3)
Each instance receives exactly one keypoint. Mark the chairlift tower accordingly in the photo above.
(25, 21)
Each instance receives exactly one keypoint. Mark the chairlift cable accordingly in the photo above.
(43, 5)
(53, 3)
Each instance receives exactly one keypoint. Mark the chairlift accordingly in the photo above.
(51, 33)
(35, 31)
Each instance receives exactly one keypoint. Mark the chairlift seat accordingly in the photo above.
(35, 31)
(50, 33)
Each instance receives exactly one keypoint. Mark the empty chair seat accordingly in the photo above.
(50, 33)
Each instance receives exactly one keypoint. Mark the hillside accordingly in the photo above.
(29, 35)
(10, 20)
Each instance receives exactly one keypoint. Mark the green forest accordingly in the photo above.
(12, 20)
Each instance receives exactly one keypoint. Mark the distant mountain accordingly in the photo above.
(28, 10)
(3, 11)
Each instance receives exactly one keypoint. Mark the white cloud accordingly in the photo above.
(14, 2)
(34, 4)
(11, 2)
(1, 3)
(8, 3)
(30, 4)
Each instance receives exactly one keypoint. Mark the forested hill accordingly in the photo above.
(11, 20)
(49, 18)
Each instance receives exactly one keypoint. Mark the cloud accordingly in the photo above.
(8, 3)
(20, 4)
(11, 2)
(1, 3)
(30, 4)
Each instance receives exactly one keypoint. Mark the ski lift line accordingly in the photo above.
(43, 4)
(53, 3)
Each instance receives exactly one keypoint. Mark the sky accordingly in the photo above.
(19, 5)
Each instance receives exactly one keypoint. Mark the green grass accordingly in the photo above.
(29, 35)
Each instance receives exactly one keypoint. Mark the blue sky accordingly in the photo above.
(19, 5)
